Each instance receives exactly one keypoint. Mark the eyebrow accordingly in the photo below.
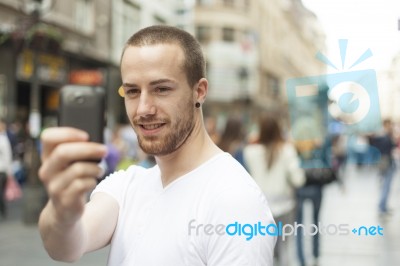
(152, 83)
(130, 85)
(159, 81)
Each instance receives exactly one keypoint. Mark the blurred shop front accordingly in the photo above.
(35, 98)
(30, 84)
(36, 95)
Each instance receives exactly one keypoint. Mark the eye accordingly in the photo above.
(162, 90)
(131, 92)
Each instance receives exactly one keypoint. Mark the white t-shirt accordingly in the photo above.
(193, 221)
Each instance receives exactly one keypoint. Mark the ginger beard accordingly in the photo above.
(174, 135)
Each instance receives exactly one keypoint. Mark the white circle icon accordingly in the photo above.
(359, 97)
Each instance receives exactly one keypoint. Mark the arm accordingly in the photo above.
(296, 174)
(69, 227)
(68, 242)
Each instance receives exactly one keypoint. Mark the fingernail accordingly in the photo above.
(83, 135)
(103, 166)
(103, 149)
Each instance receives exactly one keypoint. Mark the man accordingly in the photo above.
(385, 144)
(174, 213)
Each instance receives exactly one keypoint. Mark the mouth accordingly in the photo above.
(150, 129)
(151, 126)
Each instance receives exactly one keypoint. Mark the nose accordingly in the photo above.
(146, 105)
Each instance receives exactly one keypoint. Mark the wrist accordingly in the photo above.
(59, 218)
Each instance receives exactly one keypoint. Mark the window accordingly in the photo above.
(181, 11)
(203, 34)
(126, 21)
(270, 86)
(273, 85)
(228, 34)
(131, 21)
(203, 2)
(84, 15)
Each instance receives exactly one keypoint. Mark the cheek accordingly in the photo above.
(130, 108)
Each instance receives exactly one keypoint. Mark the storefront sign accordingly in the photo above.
(50, 68)
(86, 77)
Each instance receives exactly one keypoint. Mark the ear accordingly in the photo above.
(200, 92)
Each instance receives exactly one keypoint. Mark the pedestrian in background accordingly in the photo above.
(275, 166)
(317, 164)
(385, 144)
(232, 139)
(5, 165)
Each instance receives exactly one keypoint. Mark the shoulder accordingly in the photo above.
(253, 150)
(118, 183)
(289, 149)
(227, 170)
(254, 147)
(232, 188)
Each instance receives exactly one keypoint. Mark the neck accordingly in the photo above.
(197, 149)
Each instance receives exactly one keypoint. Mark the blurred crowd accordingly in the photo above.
(294, 171)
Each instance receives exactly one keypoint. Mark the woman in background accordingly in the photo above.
(275, 166)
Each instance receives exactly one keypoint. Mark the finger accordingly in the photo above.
(67, 153)
(75, 171)
(70, 204)
(51, 137)
(82, 185)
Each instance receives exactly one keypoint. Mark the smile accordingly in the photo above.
(151, 126)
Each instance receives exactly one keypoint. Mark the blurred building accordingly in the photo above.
(45, 44)
(42, 43)
(252, 48)
(390, 91)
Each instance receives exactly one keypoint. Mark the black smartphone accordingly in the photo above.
(83, 107)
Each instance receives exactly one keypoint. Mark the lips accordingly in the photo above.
(152, 126)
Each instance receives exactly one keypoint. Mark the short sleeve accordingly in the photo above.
(116, 184)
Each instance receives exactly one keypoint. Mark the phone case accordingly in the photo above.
(83, 107)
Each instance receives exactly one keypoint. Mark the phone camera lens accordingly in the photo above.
(80, 99)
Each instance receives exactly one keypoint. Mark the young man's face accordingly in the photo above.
(158, 99)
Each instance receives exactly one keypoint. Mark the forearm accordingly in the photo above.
(63, 242)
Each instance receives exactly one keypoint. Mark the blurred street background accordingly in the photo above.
(326, 70)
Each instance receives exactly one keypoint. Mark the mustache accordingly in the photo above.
(148, 120)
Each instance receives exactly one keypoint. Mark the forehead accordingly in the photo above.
(158, 55)
(144, 64)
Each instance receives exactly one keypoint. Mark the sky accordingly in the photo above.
(366, 24)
